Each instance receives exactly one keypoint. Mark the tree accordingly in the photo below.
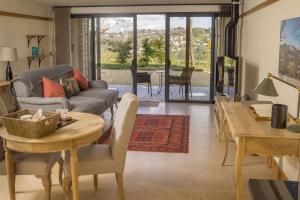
(147, 52)
(159, 47)
(123, 50)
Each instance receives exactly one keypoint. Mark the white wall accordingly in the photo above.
(13, 32)
(260, 49)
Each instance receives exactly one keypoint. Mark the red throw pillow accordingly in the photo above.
(81, 80)
(52, 89)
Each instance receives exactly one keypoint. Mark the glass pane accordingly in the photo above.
(151, 54)
(114, 52)
(200, 58)
(81, 45)
(177, 57)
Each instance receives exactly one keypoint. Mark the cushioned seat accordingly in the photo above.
(102, 159)
(88, 105)
(110, 96)
(32, 164)
(91, 156)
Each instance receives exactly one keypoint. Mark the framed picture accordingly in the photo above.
(289, 56)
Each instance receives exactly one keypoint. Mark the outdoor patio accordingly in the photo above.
(198, 93)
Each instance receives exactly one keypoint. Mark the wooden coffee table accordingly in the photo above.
(85, 131)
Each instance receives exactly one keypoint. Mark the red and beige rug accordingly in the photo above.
(157, 133)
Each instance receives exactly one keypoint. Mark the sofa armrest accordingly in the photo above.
(47, 104)
(98, 84)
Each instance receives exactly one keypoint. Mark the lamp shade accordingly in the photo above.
(267, 88)
(8, 54)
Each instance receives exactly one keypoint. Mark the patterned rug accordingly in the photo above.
(157, 133)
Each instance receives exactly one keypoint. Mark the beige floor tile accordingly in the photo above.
(163, 176)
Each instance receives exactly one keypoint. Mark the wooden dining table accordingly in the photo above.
(86, 130)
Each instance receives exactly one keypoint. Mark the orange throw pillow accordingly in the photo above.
(81, 80)
(52, 89)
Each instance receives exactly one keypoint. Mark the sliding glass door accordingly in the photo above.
(114, 40)
(189, 70)
(173, 54)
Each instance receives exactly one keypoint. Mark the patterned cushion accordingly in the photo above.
(70, 86)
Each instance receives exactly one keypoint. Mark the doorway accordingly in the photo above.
(189, 58)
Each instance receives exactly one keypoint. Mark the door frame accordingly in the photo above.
(187, 49)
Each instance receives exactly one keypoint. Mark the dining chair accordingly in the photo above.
(39, 165)
(185, 78)
(107, 158)
(141, 77)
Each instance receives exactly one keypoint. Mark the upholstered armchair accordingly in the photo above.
(103, 159)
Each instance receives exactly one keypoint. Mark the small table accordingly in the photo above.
(85, 131)
(160, 78)
(257, 137)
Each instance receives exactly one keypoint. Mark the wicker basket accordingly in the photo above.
(29, 129)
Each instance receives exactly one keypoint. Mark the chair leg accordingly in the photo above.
(119, 178)
(61, 168)
(67, 187)
(96, 181)
(112, 112)
(150, 88)
(47, 183)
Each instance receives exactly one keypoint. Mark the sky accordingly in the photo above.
(291, 32)
(152, 22)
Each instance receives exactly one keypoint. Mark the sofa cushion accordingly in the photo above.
(88, 105)
(52, 89)
(39, 164)
(81, 80)
(108, 96)
(30, 84)
(70, 86)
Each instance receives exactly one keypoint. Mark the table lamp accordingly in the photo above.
(8, 54)
(267, 88)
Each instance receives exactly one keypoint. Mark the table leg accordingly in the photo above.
(238, 167)
(74, 173)
(10, 173)
(226, 148)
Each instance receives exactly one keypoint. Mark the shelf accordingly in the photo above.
(39, 39)
(38, 58)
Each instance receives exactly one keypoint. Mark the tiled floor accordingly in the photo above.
(197, 175)
(198, 93)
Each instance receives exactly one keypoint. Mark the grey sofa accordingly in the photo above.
(28, 89)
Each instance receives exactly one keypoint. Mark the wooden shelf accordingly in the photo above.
(37, 58)
(39, 39)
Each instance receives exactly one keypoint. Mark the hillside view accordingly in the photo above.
(117, 48)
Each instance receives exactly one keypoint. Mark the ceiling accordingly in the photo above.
(124, 2)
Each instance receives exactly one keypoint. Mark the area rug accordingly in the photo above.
(157, 133)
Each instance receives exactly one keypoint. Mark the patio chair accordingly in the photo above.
(184, 79)
(141, 77)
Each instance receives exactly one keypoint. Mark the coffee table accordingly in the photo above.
(86, 130)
